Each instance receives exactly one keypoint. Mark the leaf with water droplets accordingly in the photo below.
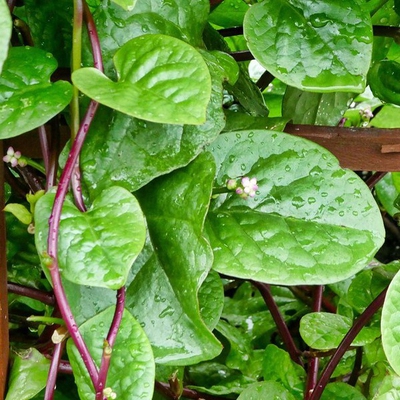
(160, 79)
(27, 97)
(164, 293)
(266, 390)
(317, 46)
(98, 247)
(132, 369)
(311, 222)
(5, 31)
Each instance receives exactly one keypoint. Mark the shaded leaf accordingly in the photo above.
(127, 5)
(163, 294)
(325, 61)
(388, 193)
(315, 108)
(98, 247)
(278, 367)
(325, 331)
(160, 79)
(28, 375)
(230, 13)
(266, 390)
(131, 358)
(307, 210)
(340, 390)
(211, 299)
(384, 81)
(27, 98)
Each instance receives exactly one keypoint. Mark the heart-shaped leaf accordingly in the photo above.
(158, 148)
(325, 331)
(98, 247)
(310, 222)
(161, 79)
(321, 46)
(5, 31)
(266, 390)
(27, 97)
(132, 368)
(163, 294)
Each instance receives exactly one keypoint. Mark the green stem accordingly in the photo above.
(34, 164)
(221, 190)
(46, 320)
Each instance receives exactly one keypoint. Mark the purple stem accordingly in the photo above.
(361, 321)
(54, 224)
(375, 178)
(44, 297)
(313, 363)
(112, 335)
(44, 145)
(54, 367)
(279, 321)
(11, 5)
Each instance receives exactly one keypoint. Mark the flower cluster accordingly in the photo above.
(14, 158)
(108, 392)
(246, 188)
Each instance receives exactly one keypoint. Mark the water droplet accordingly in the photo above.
(243, 167)
(339, 200)
(288, 168)
(319, 20)
(355, 213)
(317, 170)
(232, 159)
(311, 200)
(298, 202)
(238, 135)
(341, 213)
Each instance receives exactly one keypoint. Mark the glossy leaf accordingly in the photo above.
(266, 390)
(390, 324)
(387, 117)
(278, 367)
(98, 247)
(211, 300)
(315, 108)
(28, 375)
(132, 369)
(160, 79)
(127, 5)
(384, 81)
(50, 24)
(228, 14)
(158, 149)
(307, 211)
(163, 294)
(325, 331)
(335, 38)
(388, 193)
(27, 98)
(5, 31)
(341, 391)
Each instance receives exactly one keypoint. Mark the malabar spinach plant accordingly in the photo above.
(179, 244)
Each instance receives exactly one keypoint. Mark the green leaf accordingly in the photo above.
(98, 247)
(315, 108)
(50, 24)
(341, 391)
(325, 331)
(127, 5)
(20, 212)
(387, 117)
(27, 98)
(278, 367)
(158, 149)
(390, 324)
(266, 390)
(387, 192)
(163, 294)
(306, 212)
(161, 79)
(28, 375)
(228, 14)
(384, 81)
(240, 351)
(211, 300)
(132, 369)
(5, 31)
(299, 42)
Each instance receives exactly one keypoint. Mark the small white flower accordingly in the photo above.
(14, 158)
(249, 186)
